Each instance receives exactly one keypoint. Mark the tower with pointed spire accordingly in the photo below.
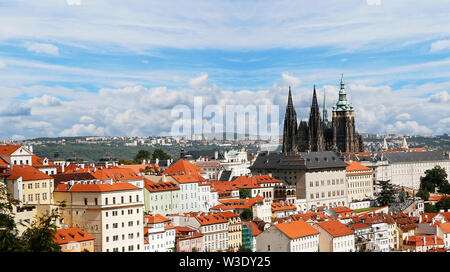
(345, 138)
(315, 132)
(319, 134)
(290, 126)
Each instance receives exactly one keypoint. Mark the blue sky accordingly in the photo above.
(91, 67)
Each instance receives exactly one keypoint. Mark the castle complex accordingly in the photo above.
(318, 134)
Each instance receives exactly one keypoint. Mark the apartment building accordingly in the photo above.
(74, 240)
(293, 236)
(110, 212)
(159, 233)
(161, 197)
(359, 182)
(335, 237)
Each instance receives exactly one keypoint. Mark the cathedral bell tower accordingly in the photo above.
(290, 126)
(345, 138)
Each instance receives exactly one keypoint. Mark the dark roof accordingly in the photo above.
(301, 160)
(58, 178)
(424, 156)
(196, 154)
(225, 175)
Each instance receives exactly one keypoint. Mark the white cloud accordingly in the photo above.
(441, 97)
(83, 130)
(46, 101)
(44, 48)
(408, 127)
(404, 116)
(288, 79)
(86, 119)
(73, 2)
(200, 81)
(440, 45)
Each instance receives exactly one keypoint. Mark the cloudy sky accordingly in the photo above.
(107, 67)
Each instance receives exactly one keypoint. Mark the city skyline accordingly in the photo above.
(77, 68)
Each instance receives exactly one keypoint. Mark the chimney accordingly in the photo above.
(424, 241)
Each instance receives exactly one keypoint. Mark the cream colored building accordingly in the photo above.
(30, 185)
(294, 236)
(359, 182)
(111, 212)
(335, 237)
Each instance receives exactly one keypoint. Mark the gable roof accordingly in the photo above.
(116, 174)
(183, 167)
(159, 186)
(69, 235)
(356, 166)
(39, 162)
(296, 229)
(445, 227)
(211, 219)
(7, 150)
(335, 228)
(118, 186)
(27, 173)
(155, 219)
(190, 178)
(277, 206)
(255, 230)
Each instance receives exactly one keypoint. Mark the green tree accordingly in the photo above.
(443, 204)
(435, 179)
(424, 194)
(430, 208)
(39, 236)
(247, 215)
(244, 193)
(387, 192)
(9, 239)
(142, 155)
(160, 155)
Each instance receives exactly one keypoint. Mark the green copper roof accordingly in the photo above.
(342, 104)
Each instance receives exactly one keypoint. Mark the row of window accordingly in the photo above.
(330, 193)
(37, 185)
(115, 238)
(122, 200)
(130, 248)
(116, 225)
(329, 182)
(37, 197)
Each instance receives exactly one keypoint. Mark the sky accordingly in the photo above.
(118, 68)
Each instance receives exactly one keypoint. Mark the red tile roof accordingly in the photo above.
(160, 186)
(423, 240)
(27, 173)
(139, 168)
(188, 178)
(356, 166)
(118, 186)
(39, 162)
(277, 206)
(116, 174)
(232, 204)
(183, 167)
(69, 235)
(261, 179)
(155, 219)
(319, 216)
(445, 227)
(296, 229)
(211, 219)
(335, 228)
(7, 150)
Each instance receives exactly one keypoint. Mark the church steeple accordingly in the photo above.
(342, 104)
(325, 112)
(316, 138)
(290, 126)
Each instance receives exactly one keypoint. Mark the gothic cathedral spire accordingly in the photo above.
(315, 128)
(290, 126)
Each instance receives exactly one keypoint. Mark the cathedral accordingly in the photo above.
(318, 134)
